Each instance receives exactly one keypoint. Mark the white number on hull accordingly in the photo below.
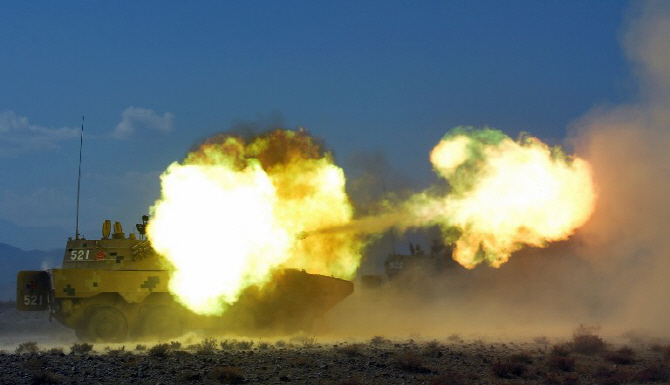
(79, 255)
(32, 300)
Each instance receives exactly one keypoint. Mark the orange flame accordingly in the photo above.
(234, 211)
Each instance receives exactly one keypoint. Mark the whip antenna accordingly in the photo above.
(81, 144)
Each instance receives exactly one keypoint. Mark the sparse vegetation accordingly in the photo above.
(541, 340)
(228, 344)
(207, 346)
(454, 338)
(140, 347)
(227, 375)
(82, 348)
(280, 343)
(27, 347)
(410, 362)
(244, 345)
(160, 350)
(585, 341)
(561, 363)
(507, 369)
(521, 358)
(263, 345)
(56, 350)
(378, 340)
(175, 345)
(46, 377)
(560, 350)
(622, 356)
(350, 350)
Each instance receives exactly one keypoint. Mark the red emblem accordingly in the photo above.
(100, 255)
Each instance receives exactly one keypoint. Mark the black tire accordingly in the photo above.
(106, 324)
(161, 322)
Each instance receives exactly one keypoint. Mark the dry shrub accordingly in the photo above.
(189, 376)
(82, 348)
(56, 351)
(175, 345)
(228, 344)
(160, 350)
(33, 364)
(585, 341)
(27, 347)
(433, 349)
(522, 358)
(623, 356)
(228, 375)
(350, 350)
(560, 350)
(454, 338)
(541, 340)
(207, 346)
(263, 345)
(654, 373)
(378, 340)
(140, 347)
(410, 362)
(561, 363)
(280, 344)
(46, 377)
(609, 376)
(244, 345)
(506, 369)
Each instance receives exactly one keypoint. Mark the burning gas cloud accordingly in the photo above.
(234, 211)
(504, 194)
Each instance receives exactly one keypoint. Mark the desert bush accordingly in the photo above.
(350, 350)
(280, 344)
(189, 376)
(378, 340)
(56, 350)
(82, 348)
(585, 341)
(506, 369)
(27, 347)
(522, 358)
(454, 338)
(33, 364)
(610, 376)
(160, 350)
(623, 356)
(306, 342)
(654, 373)
(117, 351)
(46, 377)
(561, 363)
(175, 345)
(410, 362)
(227, 375)
(263, 345)
(228, 344)
(560, 350)
(244, 345)
(433, 349)
(207, 346)
(541, 340)
(140, 347)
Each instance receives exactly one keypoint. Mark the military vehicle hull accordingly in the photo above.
(117, 289)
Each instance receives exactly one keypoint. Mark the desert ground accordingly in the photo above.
(35, 351)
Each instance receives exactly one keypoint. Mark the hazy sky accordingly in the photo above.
(390, 77)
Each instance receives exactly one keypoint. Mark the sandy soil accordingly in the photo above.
(36, 351)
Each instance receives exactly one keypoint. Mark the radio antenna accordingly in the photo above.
(81, 144)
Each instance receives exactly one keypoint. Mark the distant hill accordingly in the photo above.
(13, 259)
(33, 238)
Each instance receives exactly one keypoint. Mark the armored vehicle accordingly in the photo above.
(116, 288)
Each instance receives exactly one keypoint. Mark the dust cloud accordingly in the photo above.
(613, 272)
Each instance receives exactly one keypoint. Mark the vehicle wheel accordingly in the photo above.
(161, 322)
(106, 324)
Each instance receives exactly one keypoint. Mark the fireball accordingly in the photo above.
(234, 211)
